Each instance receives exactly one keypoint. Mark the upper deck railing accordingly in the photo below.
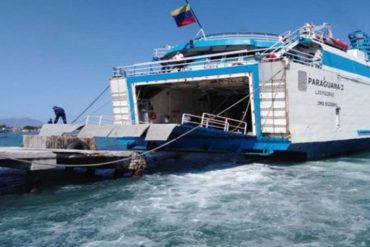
(158, 53)
(283, 47)
(256, 36)
(217, 60)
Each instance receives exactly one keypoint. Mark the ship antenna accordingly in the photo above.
(201, 30)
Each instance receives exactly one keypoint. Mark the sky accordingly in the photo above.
(61, 52)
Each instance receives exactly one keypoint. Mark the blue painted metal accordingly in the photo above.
(252, 68)
(360, 40)
(363, 132)
(202, 140)
(131, 102)
(345, 64)
(234, 41)
(209, 140)
(339, 62)
(256, 99)
(305, 40)
(189, 74)
(319, 150)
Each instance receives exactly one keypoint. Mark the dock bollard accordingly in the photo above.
(137, 165)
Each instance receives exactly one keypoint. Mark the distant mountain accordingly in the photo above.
(20, 122)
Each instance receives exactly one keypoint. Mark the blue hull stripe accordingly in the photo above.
(190, 74)
(363, 132)
(342, 63)
(131, 102)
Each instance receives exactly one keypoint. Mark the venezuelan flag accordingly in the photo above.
(183, 15)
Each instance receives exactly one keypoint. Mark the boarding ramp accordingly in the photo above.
(90, 131)
(135, 130)
(59, 129)
(159, 132)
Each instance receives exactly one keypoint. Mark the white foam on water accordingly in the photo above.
(313, 204)
(122, 241)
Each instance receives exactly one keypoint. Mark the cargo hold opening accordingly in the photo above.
(167, 102)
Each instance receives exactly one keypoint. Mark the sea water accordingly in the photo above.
(318, 203)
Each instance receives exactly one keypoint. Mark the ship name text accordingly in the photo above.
(324, 83)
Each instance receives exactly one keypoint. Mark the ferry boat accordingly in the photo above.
(301, 94)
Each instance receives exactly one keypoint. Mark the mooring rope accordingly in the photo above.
(122, 159)
(143, 153)
(91, 104)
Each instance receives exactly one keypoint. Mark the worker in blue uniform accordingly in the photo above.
(59, 113)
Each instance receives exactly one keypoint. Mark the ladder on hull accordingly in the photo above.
(120, 104)
(273, 107)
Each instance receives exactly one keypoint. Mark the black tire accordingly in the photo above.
(80, 145)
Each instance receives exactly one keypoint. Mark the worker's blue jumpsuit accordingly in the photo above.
(59, 113)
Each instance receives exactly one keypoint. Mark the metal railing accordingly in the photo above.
(286, 40)
(304, 58)
(283, 45)
(208, 120)
(99, 120)
(158, 53)
(256, 36)
(223, 59)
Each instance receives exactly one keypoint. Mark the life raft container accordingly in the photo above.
(271, 57)
(341, 45)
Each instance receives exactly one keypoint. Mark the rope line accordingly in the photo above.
(91, 104)
(143, 153)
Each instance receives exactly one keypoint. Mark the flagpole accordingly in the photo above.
(197, 20)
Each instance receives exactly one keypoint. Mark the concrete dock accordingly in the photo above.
(36, 161)
(43, 159)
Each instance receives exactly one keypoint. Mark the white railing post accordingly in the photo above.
(183, 118)
(202, 120)
(87, 120)
(100, 119)
(207, 120)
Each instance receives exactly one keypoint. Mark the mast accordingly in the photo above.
(201, 30)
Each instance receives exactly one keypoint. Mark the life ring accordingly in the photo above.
(152, 115)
